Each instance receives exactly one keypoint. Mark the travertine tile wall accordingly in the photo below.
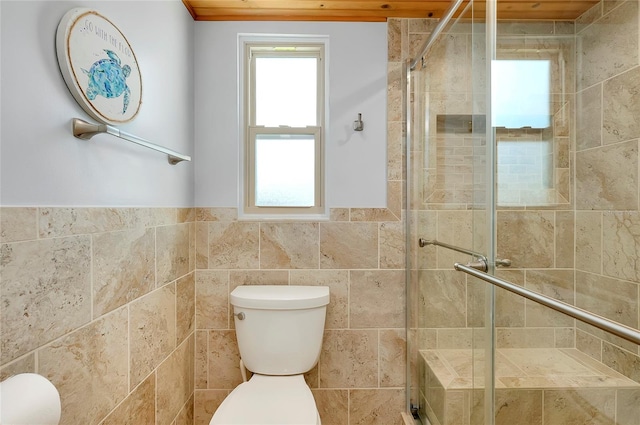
(582, 251)
(447, 185)
(359, 253)
(606, 161)
(101, 301)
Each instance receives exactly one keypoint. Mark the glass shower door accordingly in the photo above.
(446, 135)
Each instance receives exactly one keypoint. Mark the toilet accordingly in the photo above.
(279, 329)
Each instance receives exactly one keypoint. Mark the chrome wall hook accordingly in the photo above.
(358, 125)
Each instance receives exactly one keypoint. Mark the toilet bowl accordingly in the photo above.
(279, 330)
(269, 400)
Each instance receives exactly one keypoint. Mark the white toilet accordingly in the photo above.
(279, 331)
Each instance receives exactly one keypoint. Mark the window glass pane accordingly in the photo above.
(286, 90)
(520, 93)
(285, 170)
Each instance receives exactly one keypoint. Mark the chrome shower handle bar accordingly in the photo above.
(424, 242)
(482, 262)
(585, 316)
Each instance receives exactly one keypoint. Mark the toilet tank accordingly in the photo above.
(279, 327)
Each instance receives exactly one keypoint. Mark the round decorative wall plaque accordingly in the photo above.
(99, 66)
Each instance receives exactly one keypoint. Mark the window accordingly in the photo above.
(284, 109)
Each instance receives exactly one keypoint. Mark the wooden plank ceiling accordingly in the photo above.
(374, 10)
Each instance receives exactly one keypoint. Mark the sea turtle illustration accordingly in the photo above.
(107, 79)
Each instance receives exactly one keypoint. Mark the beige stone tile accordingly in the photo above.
(576, 407)
(452, 338)
(257, 277)
(545, 362)
(620, 107)
(26, 364)
(349, 359)
(395, 151)
(393, 356)
(442, 299)
(372, 214)
(138, 407)
(124, 268)
(589, 118)
(289, 246)
(510, 308)
(312, 378)
(525, 338)
(151, 217)
(18, 224)
(206, 403)
(185, 307)
(333, 406)
(394, 91)
(609, 45)
(152, 331)
(186, 415)
(621, 361)
(628, 407)
(339, 214)
(557, 284)
(174, 383)
(565, 230)
(620, 245)
(614, 299)
(186, 215)
(513, 405)
(56, 222)
(606, 336)
(192, 246)
(224, 360)
(377, 299)
(201, 362)
(338, 283)
(376, 406)
(172, 252)
(565, 337)
(46, 292)
(202, 245)
(564, 27)
(589, 17)
(234, 245)
(212, 299)
(589, 344)
(599, 186)
(216, 214)
(526, 238)
(348, 245)
(392, 245)
(394, 39)
(89, 368)
(589, 241)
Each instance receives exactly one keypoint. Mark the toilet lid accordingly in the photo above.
(268, 400)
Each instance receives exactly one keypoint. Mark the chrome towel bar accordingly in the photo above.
(600, 322)
(85, 130)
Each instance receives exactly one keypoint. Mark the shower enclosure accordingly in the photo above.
(522, 159)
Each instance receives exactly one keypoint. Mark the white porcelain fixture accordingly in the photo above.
(279, 330)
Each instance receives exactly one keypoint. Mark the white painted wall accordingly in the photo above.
(41, 163)
(356, 161)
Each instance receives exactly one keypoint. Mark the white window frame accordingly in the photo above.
(251, 46)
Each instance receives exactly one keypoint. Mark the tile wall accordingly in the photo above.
(607, 216)
(101, 301)
(359, 254)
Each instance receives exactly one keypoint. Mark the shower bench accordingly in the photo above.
(542, 386)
